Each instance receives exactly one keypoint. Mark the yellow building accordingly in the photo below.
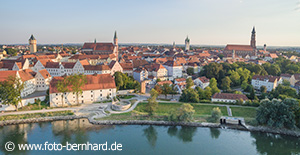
(32, 44)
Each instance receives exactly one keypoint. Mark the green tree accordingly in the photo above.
(189, 95)
(208, 92)
(226, 83)
(277, 113)
(11, 51)
(214, 86)
(263, 89)
(235, 78)
(118, 80)
(10, 91)
(286, 83)
(77, 81)
(158, 89)
(151, 106)
(183, 114)
(189, 83)
(190, 71)
(252, 94)
(62, 87)
(158, 80)
(166, 89)
(201, 93)
(244, 85)
(215, 115)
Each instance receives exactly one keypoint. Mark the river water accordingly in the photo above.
(144, 139)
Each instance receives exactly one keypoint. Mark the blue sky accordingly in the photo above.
(206, 22)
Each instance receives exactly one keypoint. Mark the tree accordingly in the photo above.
(190, 71)
(201, 93)
(252, 94)
(208, 92)
(277, 113)
(235, 78)
(62, 87)
(152, 104)
(244, 85)
(215, 115)
(184, 113)
(158, 80)
(189, 83)
(38, 101)
(263, 89)
(166, 89)
(158, 89)
(10, 91)
(77, 81)
(11, 51)
(189, 95)
(226, 83)
(118, 80)
(213, 85)
(286, 83)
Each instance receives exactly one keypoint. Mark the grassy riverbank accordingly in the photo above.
(202, 112)
(36, 115)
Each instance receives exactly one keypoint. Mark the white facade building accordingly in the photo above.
(270, 82)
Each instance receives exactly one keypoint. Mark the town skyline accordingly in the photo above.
(206, 23)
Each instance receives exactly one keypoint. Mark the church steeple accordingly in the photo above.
(95, 41)
(253, 39)
(187, 44)
(115, 36)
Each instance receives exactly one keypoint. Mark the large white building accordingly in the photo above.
(64, 68)
(270, 82)
(99, 87)
(174, 69)
(43, 79)
(228, 97)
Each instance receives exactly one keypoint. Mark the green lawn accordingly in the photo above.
(164, 108)
(127, 96)
(35, 106)
(246, 112)
(36, 115)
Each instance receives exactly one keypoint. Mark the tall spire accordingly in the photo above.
(115, 36)
(31, 37)
(253, 30)
(95, 41)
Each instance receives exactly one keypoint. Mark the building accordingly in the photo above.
(101, 48)
(140, 74)
(127, 68)
(289, 77)
(64, 68)
(187, 44)
(43, 79)
(96, 69)
(228, 97)
(99, 87)
(32, 44)
(27, 78)
(202, 82)
(115, 67)
(174, 69)
(269, 81)
(158, 71)
(243, 50)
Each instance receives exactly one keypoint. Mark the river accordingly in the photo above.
(145, 139)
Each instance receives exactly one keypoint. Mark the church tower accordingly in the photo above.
(253, 40)
(116, 46)
(32, 44)
(187, 44)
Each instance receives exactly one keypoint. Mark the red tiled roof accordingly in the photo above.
(45, 73)
(180, 80)
(127, 66)
(238, 48)
(99, 46)
(203, 79)
(52, 65)
(163, 82)
(230, 96)
(94, 82)
(96, 67)
(5, 74)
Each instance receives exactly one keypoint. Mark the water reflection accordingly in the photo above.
(275, 144)
(214, 133)
(185, 134)
(16, 134)
(151, 135)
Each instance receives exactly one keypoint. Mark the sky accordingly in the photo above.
(206, 22)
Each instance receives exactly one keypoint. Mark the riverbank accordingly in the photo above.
(263, 129)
